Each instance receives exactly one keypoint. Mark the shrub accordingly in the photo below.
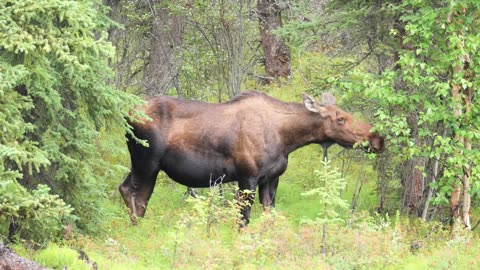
(61, 258)
(38, 215)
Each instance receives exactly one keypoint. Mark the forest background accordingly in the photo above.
(70, 71)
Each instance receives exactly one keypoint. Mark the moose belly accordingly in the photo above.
(196, 170)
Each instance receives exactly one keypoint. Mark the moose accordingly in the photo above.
(247, 139)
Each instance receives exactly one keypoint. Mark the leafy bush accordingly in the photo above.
(208, 219)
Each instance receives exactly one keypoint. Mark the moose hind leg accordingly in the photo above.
(267, 192)
(273, 190)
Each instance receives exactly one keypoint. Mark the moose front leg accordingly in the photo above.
(246, 196)
(136, 194)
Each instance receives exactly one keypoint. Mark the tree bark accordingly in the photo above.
(413, 180)
(433, 181)
(457, 188)
(10, 260)
(276, 53)
(162, 71)
(460, 201)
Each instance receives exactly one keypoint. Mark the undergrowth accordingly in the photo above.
(203, 233)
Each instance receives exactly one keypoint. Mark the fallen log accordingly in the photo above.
(11, 261)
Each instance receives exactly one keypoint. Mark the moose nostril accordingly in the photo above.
(377, 143)
(381, 145)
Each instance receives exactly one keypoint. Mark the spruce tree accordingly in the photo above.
(54, 101)
(329, 187)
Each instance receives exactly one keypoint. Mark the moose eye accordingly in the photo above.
(341, 121)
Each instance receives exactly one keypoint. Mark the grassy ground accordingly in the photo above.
(176, 235)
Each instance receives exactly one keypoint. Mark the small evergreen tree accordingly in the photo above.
(330, 184)
(54, 101)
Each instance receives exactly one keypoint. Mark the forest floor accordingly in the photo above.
(180, 233)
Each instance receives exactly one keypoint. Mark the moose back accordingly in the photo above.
(247, 139)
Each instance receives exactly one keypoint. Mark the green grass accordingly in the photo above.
(173, 236)
(272, 241)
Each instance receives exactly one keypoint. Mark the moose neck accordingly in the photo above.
(300, 127)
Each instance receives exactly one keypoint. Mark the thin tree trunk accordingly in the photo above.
(457, 188)
(357, 190)
(412, 178)
(467, 173)
(460, 207)
(382, 184)
(434, 180)
(163, 66)
(276, 53)
(430, 190)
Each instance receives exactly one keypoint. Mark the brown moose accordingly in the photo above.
(247, 139)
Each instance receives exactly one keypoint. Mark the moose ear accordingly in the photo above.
(310, 103)
(327, 98)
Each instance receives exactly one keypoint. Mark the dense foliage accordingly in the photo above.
(426, 104)
(55, 100)
(200, 50)
(412, 65)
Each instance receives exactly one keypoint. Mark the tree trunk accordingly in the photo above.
(457, 188)
(10, 260)
(413, 182)
(276, 53)
(466, 190)
(433, 181)
(162, 70)
(460, 202)
(412, 174)
(413, 185)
